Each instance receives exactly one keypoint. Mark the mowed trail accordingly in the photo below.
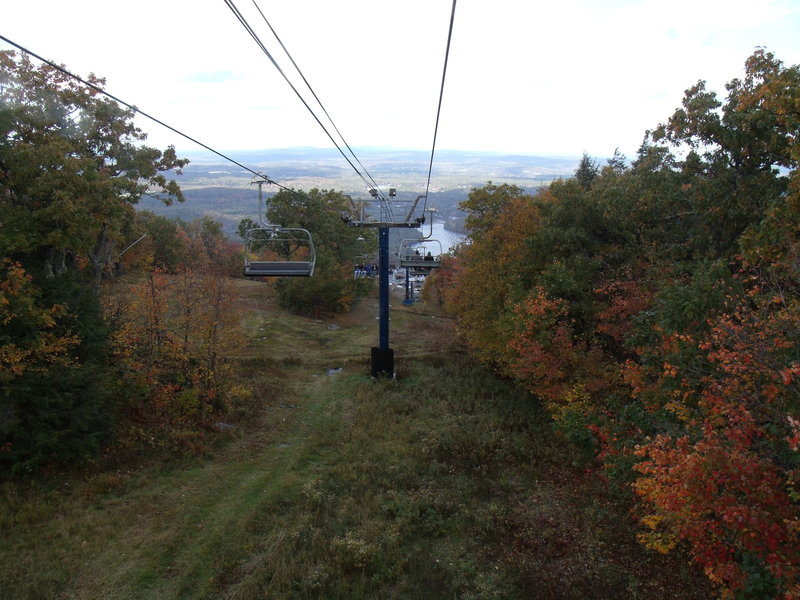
(446, 482)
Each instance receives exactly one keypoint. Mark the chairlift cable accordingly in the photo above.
(371, 184)
(441, 95)
(132, 107)
(313, 93)
(264, 49)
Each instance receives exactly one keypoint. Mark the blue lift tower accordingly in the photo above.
(382, 356)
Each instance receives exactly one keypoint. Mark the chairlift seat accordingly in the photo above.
(423, 253)
(272, 268)
(419, 262)
(277, 241)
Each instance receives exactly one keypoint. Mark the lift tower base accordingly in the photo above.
(382, 362)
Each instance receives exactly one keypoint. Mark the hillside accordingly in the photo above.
(446, 483)
(621, 375)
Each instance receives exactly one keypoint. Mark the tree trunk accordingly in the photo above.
(100, 256)
(55, 263)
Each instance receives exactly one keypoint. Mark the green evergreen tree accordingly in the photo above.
(587, 171)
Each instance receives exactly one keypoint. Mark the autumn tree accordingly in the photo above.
(616, 164)
(723, 356)
(653, 307)
(736, 147)
(161, 247)
(31, 347)
(332, 288)
(493, 270)
(56, 399)
(724, 477)
(71, 168)
(175, 333)
(485, 205)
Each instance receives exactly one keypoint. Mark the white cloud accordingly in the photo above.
(554, 78)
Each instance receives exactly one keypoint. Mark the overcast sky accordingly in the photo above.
(547, 78)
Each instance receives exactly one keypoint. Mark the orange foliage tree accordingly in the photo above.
(727, 484)
(656, 308)
(175, 334)
(27, 340)
(492, 270)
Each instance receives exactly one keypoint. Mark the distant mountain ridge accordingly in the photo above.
(221, 190)
(386, 165)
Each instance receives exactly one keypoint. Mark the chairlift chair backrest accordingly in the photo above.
(273, 251)
(416, 254)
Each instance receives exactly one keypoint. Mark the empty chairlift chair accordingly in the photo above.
(274, 251)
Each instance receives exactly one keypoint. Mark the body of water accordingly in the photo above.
(440, 236)
(448, 239)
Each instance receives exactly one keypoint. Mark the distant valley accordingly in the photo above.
(221, 190)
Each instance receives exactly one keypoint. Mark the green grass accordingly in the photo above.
(446, 483)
